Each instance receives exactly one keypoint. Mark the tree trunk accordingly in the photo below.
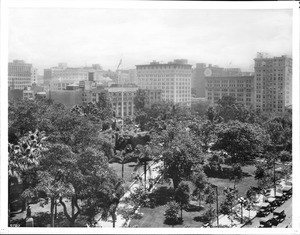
(73, 207)
(55, 213)
(114, 219)
(24, 204)
(145, 172)
(176, 182)
(52, 211)
(181, 211)
(113, 214)
(72, 222)
(9, 201)
(122, 170)
(249, 213)
(74, 217)
(199, 199)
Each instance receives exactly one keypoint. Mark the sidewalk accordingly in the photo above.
(235, 220)
(152, 173)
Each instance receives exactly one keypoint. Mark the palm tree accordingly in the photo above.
(123, 157)
(143, 154)
(110, 209)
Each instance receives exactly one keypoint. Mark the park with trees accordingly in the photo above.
(75, 165)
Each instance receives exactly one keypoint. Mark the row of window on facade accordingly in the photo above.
(225, 93)
(124, 93)
(20, 82)
(229, 81)
(124, 113)
(165, 79)
(124, 103)
(239, 99)
(166, 83)
(230, 90)
(230, 85)
(164, 76)
(159, 68)
(270, 97)
(161, 87)
(269, 106)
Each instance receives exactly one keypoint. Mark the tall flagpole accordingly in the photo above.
(119, 79)
(122, 99)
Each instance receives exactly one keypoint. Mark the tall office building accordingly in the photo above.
(20, 74)
(58, 78)
(239, 87)
(125, 94)
(202, 71)
(199, 74)
(51, 72)
(152, 97)
(34, 76)
(173, 79)
(61, 79)
(273, 83)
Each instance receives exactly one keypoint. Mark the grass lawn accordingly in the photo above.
(154, 217)
(242, 186)
(128, 170)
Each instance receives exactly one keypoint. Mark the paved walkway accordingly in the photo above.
(152, 173)
(224, 220)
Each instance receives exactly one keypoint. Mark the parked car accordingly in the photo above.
(280, 198)
(273, 202)
(265, 222)
(264, 209)
(287, 191)
(279, 215)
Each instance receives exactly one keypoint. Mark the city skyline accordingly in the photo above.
(227, 38)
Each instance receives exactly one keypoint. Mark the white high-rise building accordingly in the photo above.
(61, 76)
(272, 83)
(173, 79)
(19, 75)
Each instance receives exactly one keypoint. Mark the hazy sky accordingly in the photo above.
(231, 38)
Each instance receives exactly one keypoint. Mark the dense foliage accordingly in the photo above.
(72, 162)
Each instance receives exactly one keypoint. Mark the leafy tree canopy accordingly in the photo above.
(240, 140)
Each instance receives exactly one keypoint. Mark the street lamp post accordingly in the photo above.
(242, 201)
(217, 195)
(217, 202)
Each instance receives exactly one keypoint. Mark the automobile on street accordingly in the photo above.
(264, 209)
(266, 222)
(279, 215)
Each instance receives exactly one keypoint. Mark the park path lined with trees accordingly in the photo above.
(63, 157)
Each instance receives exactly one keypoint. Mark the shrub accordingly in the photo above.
(171, 213)
(285, 156)
(208, 215)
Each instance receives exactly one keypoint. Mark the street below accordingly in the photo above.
(287, 206)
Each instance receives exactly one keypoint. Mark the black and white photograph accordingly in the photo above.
(149, 116)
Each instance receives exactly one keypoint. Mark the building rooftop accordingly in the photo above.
(175, 62)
